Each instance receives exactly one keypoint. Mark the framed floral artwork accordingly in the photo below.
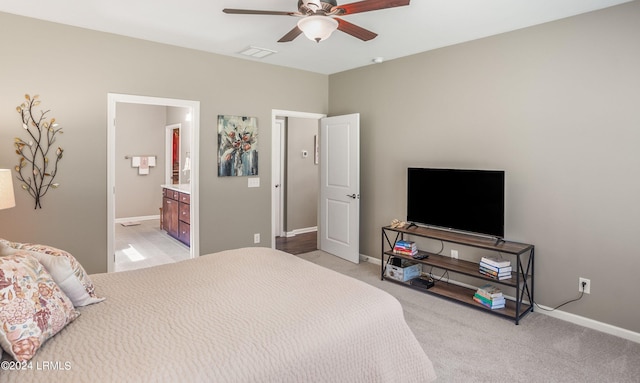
(237, 146)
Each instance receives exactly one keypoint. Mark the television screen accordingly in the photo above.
(465, 200)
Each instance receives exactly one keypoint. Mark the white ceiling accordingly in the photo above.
(200, 24)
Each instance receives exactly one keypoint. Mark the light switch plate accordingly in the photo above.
(254, 182)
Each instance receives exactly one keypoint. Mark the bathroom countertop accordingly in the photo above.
(182, 188)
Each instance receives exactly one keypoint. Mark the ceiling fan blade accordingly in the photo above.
(254, 12)
(355, 31)
(367, 5)
(292, 34)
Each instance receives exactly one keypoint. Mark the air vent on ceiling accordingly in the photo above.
(257, 52)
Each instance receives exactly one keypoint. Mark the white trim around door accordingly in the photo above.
(112, 100)
(276, 164)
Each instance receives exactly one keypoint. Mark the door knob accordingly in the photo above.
(354, 196)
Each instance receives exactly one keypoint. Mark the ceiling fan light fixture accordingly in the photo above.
(317, 28)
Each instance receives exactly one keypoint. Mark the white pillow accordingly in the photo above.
(63, 267)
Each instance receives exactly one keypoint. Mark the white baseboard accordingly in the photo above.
(590, 323)
(563, 315)
(132, 219)
(366, 258)
(305, 230)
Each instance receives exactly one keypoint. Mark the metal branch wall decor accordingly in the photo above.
(38, 167)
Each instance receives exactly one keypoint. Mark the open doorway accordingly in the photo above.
(295, 181)
(119, 188)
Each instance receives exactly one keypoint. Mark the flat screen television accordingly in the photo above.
(457, 199)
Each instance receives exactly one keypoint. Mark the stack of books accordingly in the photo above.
(495, 268)
(490, 296)
(408, 248)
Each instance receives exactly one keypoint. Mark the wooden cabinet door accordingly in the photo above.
(170, 216)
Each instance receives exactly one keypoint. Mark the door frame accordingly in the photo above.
(277, 195)
(112, 100)
(277, 163)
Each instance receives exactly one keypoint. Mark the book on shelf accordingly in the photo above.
(496, 261)
(494, 268)
(409, 253)
(405, 248)
(499, 278)
(480, 293)
(490, 297)
(493, 274)
(488, 301)
(490, 291)
(492, 307)
(405, 245)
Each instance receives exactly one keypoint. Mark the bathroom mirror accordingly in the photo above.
(175, 156)
(178, 136)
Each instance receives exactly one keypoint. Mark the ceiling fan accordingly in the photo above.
(317, 21)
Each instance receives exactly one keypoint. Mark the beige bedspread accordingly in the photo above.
(245, 315)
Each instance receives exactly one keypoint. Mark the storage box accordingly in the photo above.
(408, 270)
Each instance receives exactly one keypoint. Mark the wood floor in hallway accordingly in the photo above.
(301, 243)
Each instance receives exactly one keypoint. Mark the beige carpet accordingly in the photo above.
(469, 345)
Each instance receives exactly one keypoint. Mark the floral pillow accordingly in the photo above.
(65, 270)
(5, 242)
(32, 306)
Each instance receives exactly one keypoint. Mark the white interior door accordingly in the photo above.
(339, 228)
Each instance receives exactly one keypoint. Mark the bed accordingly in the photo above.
(244, 315)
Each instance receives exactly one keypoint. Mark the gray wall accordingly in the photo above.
(74, 69)
(557, 107)
(302, 175)
(140, 130)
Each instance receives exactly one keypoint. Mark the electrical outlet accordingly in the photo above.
(256, 238)
(454, 254)
(587, 286)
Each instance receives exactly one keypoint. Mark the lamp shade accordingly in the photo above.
(7, 199)
(317, 28)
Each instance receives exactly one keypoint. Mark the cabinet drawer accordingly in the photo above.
(170, 194)
(184, 233)
(184, 213)
(185, 198)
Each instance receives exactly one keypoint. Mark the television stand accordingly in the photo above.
(518, 289)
